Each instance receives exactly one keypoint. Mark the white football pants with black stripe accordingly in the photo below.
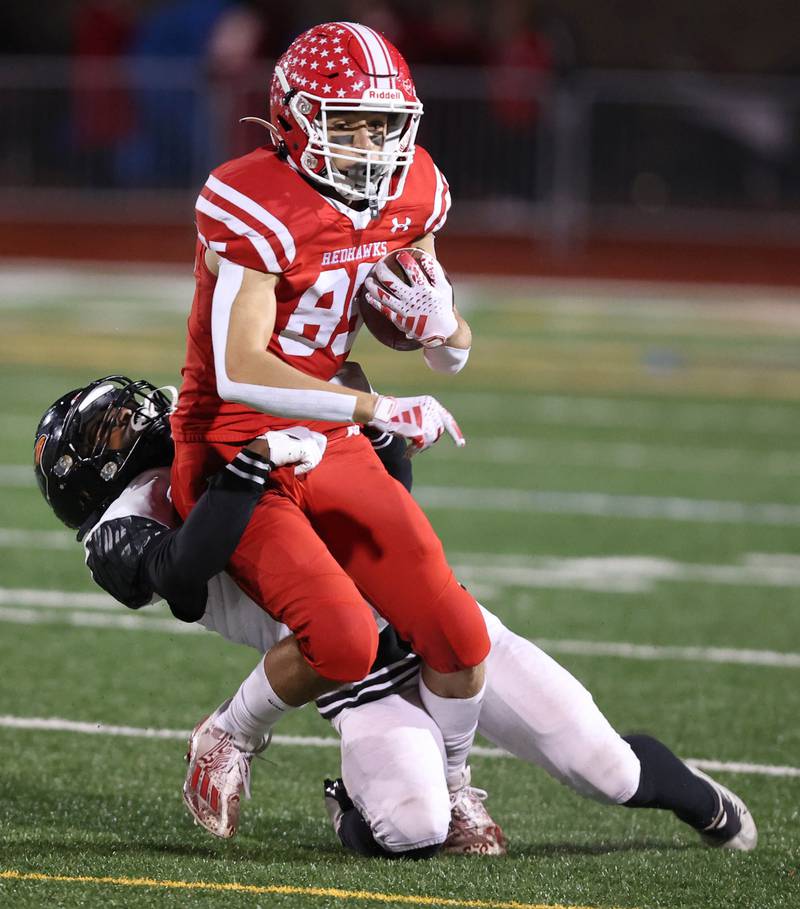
(393, 755)
(392, 751)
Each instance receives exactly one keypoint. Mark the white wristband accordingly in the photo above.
(384, 408)
(446, 359)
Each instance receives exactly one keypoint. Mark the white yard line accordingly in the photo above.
(658, 652)
(730, 302)
(577, 453)
(166, 289)
(739, 767)
(620, 574)
(124, 622)
(16, 475)
(598, 504)
(14, 538)
(657, 414)
(56, 724)
(57, 599)
(494, 572)
(528, 501)
(30, 609)
(626, 456)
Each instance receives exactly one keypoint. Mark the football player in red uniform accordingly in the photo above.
(286, 236)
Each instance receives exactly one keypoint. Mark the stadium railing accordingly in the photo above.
(675, 154)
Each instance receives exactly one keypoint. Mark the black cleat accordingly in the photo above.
(733, 827)
(337, 801)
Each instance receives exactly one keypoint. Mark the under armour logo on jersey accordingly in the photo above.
(397, 225)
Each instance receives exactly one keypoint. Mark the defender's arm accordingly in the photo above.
(138, 560)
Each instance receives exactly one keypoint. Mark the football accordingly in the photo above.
(378, 325)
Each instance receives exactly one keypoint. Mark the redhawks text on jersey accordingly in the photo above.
(259, 212)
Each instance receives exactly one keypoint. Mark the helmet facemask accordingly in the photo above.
(369, 176)
(118, 421)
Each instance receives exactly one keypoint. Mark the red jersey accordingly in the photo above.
(258, 212)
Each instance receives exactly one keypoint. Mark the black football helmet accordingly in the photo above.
(93, 441)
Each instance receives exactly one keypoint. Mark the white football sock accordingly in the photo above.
(457, 719)
(253, 710)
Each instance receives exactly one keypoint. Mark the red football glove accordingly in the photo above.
(421, 420)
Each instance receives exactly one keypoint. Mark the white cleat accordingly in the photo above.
(733, 827)
(472, 830)
(218, 773)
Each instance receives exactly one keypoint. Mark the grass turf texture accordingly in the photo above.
(631, 396)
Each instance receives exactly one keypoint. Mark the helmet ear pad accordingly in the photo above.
(78, 472)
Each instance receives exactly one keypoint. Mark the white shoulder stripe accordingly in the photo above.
(440, 222)
(238, 227)
(260, 213)
(437, 199)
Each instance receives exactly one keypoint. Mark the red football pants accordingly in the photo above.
(319, 544)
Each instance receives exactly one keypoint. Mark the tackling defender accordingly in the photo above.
(101, 459)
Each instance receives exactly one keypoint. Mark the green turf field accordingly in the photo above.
(629, 493)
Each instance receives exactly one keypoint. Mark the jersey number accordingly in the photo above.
(322, 307)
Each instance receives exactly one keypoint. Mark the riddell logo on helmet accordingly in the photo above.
(382, 94)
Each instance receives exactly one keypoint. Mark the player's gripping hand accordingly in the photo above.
(297, 445)
(420, 304)
(421, 420)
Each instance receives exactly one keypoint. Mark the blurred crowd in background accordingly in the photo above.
(717, 35)
(566, 102)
